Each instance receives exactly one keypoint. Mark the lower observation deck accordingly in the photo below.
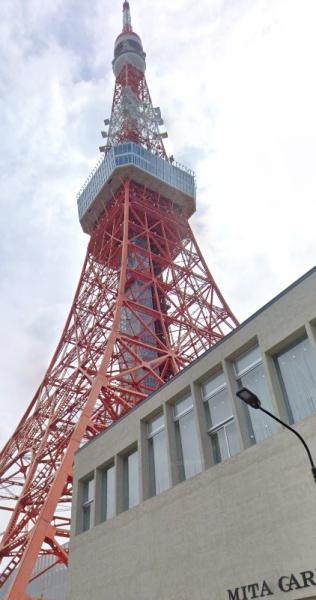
(132, 161)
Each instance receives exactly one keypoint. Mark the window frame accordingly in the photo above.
(213, 429)
(103, 494)
(185, 411)
(179, 443)
(125, 500)
(87, 505)
(251, 366)
(285, 396)
(151, 454)
(162, 427)
(248, 411)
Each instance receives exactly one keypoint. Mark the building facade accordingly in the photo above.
(195, 496)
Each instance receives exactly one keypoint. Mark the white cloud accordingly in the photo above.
(235, 83)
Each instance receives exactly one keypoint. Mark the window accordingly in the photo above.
(131, 480)
(220, 419)
(297, 370)
(108, 493)
(250, 373)
(87, 503)
(158, 456)
(189, 458)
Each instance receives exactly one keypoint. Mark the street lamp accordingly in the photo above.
(252, 400)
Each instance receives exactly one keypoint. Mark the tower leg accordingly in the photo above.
(145, 307)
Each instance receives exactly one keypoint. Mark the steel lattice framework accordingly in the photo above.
(145, 307)
(134, 117)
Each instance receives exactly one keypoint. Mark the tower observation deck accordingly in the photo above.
(134, 162)
(146, 306)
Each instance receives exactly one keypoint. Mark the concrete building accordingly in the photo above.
(193, 495)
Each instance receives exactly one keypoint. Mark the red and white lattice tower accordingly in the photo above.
(145, 307)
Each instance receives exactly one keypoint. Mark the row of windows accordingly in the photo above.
(95, 183)
(129, 153)
(158, 167)
(296, 368)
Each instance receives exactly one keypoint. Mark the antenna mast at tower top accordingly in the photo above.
(127, 21)
(133, 116)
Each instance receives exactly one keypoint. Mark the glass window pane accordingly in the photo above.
(249, 369)
(86, 521)
(108, 493)
(158, 459)
(158, 463)
(220, 408)
(87, 502)
(131, 485)
(188, 447)
(263, 426)
(213, 384)
(156, 424)
(182, 406)
(232, 438)
(219, 445)
(158, 456)
(298, 373)
(247, 360)
(225, 442)
(88, 490)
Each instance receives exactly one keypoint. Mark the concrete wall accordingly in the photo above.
(248, 520)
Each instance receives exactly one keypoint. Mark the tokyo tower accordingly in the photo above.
(146, 305)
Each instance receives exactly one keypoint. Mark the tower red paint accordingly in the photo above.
(145, 307)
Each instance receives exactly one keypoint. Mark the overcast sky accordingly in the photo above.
(235, 80)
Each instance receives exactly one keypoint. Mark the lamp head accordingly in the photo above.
(248, 397)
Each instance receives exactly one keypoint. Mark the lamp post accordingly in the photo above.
(252, 400)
